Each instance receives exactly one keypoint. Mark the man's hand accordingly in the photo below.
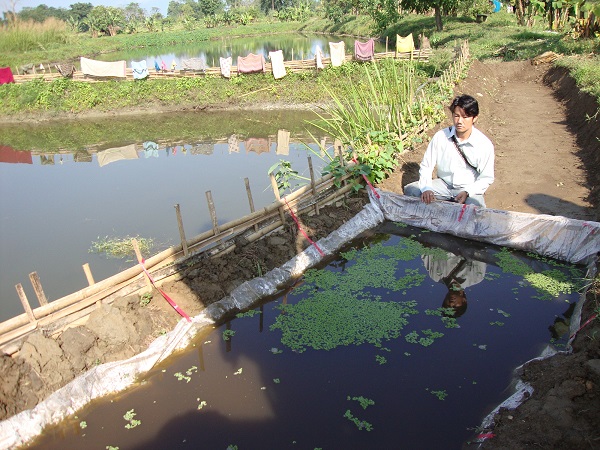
(427, 197)
(461, 197)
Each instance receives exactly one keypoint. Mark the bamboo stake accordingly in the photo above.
(25, 302)
(312, 183)
(181, 231)
(213, 213)
(88, 274)
(37, 287)
(250, 199)
(138, 254)
(277, 196)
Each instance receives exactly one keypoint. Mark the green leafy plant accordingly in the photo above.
(121, 247)
(360, 424)
(441, 395)
(129, 417)
(227, 334)
(364, 402)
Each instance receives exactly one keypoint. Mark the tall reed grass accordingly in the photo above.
(24, 36)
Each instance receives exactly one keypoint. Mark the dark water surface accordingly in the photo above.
(63, 187)
(268, 389)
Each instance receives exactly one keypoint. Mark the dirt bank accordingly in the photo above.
(546, 162)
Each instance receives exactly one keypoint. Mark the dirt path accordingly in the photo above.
(546, 162)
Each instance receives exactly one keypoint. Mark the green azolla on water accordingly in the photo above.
(549, 283)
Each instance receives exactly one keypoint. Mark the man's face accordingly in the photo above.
(462, 123)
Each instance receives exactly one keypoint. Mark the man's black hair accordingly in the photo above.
(466, 102)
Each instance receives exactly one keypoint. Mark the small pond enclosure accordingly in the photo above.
(357, 354)
(565, 239)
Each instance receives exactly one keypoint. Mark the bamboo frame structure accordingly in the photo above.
(295, 66)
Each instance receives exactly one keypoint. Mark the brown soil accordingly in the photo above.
(547, 157)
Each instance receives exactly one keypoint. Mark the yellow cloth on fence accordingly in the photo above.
(405, 44)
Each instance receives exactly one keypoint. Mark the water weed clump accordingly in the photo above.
(115, 247)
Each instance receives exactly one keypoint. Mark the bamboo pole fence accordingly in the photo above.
(52, 317)
(295, 66)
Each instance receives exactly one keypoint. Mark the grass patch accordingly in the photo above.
(121, 247)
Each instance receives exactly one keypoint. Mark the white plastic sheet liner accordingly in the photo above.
(571, 240)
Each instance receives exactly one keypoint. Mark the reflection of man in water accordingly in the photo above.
(457, 273)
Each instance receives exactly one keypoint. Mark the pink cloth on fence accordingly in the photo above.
(251, 63)
(364, 51)
(6, 75)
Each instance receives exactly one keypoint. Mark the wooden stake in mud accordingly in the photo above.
(37, 287)
(88, 274)
(181, 231)
(138, 255)
(250, 200)
(25, 302)
(277, 197)
(312, 184)
(387, 39)
(213, 212)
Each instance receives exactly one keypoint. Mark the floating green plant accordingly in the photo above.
(249, 313)
(83, 424)
(380, 359)
(549, 283)
(429, 338)
(364, 402)
(497, 323)
(360, 424)
(441, 395)
(115, 247)
(131, 422)
(227, 334)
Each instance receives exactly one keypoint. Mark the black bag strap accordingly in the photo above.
(460, 152)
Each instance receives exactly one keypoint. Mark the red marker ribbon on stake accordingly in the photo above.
(301, 230)
(585, 324)
(462, 212)
(367, 181)
(167, 298)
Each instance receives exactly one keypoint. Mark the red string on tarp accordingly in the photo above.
(167, 298)
(462, 212)
(585, 324)
(301, 230)
(367, 181)
(483, 436)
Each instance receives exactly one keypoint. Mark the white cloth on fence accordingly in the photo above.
(103, 68)
(194, 64)
(225, 64)
(116, 154)
(338, 53)
(319, 57)
(277, 65)
(140, 69)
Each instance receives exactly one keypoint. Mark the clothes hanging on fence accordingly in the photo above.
(364, 51)
(156, 66)
(66, 70)
(12, 156)
(277, 65)
(150, 149)
(233, 144)
(424, 43)
(203, 149)
(405, 44)
(173, 66)
(140, 69)
(95, 68)
(283, 142)
(6, 75)
(338, 53)
(197, 64)
(251, 63)
(257, 145)
(116, 154)
(319, 57)
(225, 64)
(163, 66)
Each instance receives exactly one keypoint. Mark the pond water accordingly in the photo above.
(295, 46)
(359, 354)
(68, 185)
